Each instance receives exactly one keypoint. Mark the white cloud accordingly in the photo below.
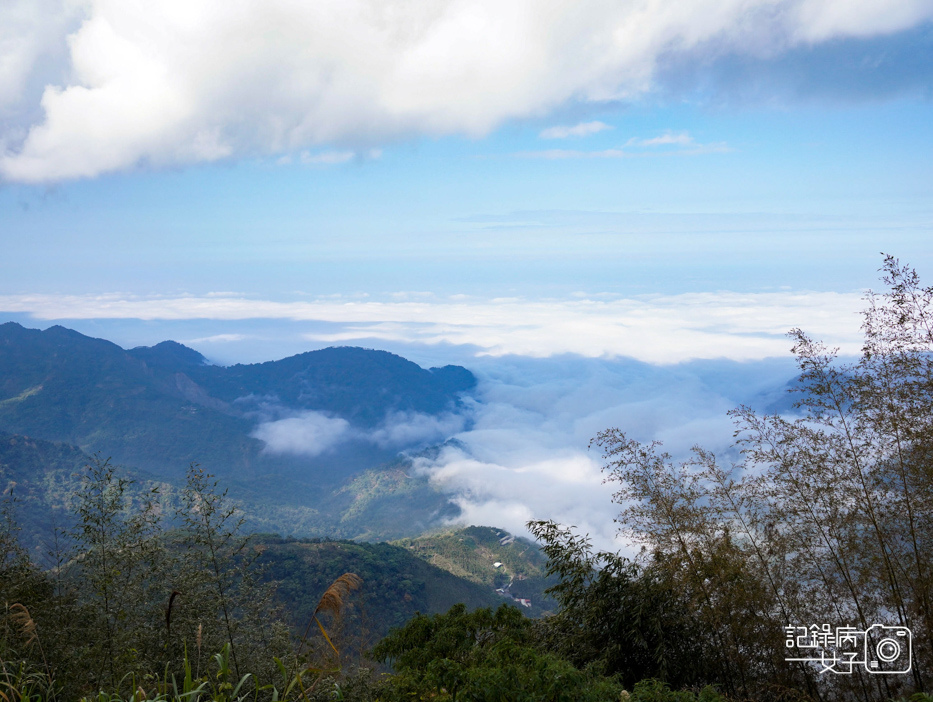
(216, 339)
(327, 158)
(568, 489)
(658, 329)
(311, 433)
(580, 130)
(819, 20)
(682, 145)
(667, 139)
(526, 457)
(307, 434)
(406, 429)
(31, 37)
(125, 83)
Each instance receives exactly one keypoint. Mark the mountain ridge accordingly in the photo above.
(60, 385)
(158, 409)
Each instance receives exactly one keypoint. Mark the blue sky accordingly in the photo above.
(394, 153)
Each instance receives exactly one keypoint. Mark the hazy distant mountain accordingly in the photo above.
(60, 385)
(163, 407)
(157, 409)
(360, 385)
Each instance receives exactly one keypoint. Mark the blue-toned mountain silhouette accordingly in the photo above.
(158, 409)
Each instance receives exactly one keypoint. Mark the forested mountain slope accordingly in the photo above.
(156, 410)
(163, 407)
(396, 583)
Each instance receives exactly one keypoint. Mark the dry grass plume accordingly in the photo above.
(332, 601)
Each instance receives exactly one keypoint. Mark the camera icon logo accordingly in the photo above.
(888, 649)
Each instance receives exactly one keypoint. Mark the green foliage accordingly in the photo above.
(653, 690)
(130, 603)
(397, 585)
(130, 646)
(122, 564)
(20, 682)
(37, 653)
(482, 655)
(629, 621)
(825, 520)
(211, 547)
(222, 602)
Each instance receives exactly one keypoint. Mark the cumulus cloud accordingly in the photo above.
(658, 329)
(580, 130)
(32, 54)
(104, 85)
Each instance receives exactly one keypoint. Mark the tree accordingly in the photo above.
(627, 620)
(483, 655)
(132, 605)
(828, 517)
(21, 582)
(120, 562)
(692, 520)
(220, 599)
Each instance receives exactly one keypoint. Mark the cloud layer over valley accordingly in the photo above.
(519, 449)
(310, 433)
(526, 456)
(655, 329)
(552, 374)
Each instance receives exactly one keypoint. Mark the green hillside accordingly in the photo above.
(59, 385)
(160, 408)
(45, 477)
(360, 385)
(396, 584)
(472, 553)
(382, 503)
(37, 479)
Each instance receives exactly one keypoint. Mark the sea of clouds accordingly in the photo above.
(658, 329)
(310, 433)
(552, 374)
(520, 447)
(527, 453)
